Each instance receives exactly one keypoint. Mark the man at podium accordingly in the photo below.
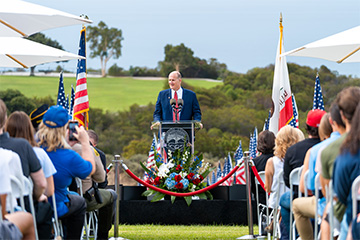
(176, 103)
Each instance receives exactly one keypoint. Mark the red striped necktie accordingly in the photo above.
(176, 117)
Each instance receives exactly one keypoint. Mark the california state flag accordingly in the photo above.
(282, 111)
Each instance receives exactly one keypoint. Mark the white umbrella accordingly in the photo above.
(341, 47)
(20, 52)
(19, 18)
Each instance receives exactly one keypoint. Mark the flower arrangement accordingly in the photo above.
(182, 173)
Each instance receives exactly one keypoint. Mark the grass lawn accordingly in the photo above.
(106, 93)
(182, 232)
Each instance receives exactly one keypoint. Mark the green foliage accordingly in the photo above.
(41, 38)
(116, 71)
(16, 101)
(104, 43)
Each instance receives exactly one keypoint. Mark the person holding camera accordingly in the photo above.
(53, 138)
(96, 197)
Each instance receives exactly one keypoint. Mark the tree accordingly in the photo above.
(176, 57)
(41, 38)
(104, 43)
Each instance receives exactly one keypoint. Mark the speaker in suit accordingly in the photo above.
(190, 110)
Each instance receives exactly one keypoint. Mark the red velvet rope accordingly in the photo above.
(258, 177)
(180, 194)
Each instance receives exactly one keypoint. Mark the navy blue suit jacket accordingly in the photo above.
(190, 110)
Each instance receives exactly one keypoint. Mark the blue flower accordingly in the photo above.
(170, 184)
(172, 175)
(185, 183)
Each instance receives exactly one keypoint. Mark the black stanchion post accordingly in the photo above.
(117, 190)
(248, 198)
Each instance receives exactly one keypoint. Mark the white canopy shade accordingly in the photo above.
(20, 52)
(19, 18)
(341, 47)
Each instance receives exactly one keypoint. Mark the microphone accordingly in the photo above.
(180, 103)
(173, 103)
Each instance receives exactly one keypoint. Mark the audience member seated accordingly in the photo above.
(347, 166)
(97, 198)
(53, 138)
(304, 208)
(286, 137)
(18, 225)
(265, 146)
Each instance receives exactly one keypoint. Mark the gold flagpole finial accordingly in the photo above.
(281, 17)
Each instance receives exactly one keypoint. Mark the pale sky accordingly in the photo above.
(241, 34)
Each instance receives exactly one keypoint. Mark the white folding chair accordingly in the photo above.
(17, 192)
(257, 183)
(294, 180)
(355, 195)
(317, 219)
(276, 216)
(306, 175)
(28, 190)
(57, 225)
(91, 219)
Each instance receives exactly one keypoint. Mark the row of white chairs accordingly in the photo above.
(19, 190)
(295, 180)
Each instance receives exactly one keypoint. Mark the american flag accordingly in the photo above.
(240, 173)
(72, 100)
(67, 102)
(253, 148)
(227, 170)
(61, 100)
(267, 121)
(318, 97)
(213, 178)
(151, 159)
(158, 149)
(295, 121)
(81, 104)
(238, 153)
(219, 172)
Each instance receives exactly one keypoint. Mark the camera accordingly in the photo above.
(72, 130)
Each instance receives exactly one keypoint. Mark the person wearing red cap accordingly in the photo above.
(294, 158)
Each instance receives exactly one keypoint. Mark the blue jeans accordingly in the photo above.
(285, 215)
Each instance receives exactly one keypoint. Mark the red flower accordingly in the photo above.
(149, 181)
(201, 177)
(178, 178)
(190, 176)
(196, 181)
(157, 181)
(179, 185)
(178, 168)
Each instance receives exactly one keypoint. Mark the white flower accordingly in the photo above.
(183, 174)
(164, 169)
(170, 164)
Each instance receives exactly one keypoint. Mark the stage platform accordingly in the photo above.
(228, 207)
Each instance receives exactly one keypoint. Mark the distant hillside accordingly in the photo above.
(112, 93)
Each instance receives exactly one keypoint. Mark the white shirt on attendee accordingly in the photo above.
(12, 165)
